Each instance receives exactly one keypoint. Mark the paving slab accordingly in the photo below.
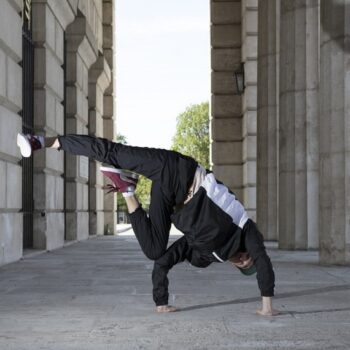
(97, 294)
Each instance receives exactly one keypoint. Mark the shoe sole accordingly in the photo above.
(24, 145)
(119, 171)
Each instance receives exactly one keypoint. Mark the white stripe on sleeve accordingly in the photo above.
(225, 200)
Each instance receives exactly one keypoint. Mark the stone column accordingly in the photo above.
(99, 80)
(226, 105)
(50, 19)
(267, 117)
(81, 54)
(298, 118)
(334, 133)
(249, 103)
(11, 226)
(110, 202)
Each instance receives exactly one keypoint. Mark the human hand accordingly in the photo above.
(166, 308)
(267, 309)
(272, 312)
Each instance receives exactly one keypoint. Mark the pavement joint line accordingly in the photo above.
(32, 253)
(278, 296)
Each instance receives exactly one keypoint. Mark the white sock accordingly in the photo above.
(128, 194)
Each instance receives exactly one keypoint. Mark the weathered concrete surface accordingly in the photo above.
(96, 294)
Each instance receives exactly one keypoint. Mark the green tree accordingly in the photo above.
(122, 139)
(143, 189)
(192, 133)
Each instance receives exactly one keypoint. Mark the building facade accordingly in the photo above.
(283, 145)
(56, 64)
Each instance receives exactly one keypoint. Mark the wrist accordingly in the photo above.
(267, 303)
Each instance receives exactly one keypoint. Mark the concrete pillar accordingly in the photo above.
(298, 121)
(50, 19)
(267, 117)
(226, 106)
(249, 103)
(11, 226)
(334, 133)
(99, 80)
(110, 201)
(81, 54)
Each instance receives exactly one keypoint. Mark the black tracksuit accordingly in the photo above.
(214, 223)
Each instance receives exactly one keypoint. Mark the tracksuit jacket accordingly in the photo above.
(215, 227)
(214, 222)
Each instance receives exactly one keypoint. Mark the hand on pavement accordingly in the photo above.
(166, 308)
(267, 312)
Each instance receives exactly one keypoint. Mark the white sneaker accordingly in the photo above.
(29, 143)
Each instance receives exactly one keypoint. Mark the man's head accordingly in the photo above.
(243, 262)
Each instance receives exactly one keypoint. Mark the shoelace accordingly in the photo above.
(111, 188)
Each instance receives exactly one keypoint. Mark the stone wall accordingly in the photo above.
(11, 230)
(63, 207)
(268, 117)
(226, 105)
(233, 116)
(334, 133)
(81, 54)
(49, 24)
(298, 125)
(109, 202)
(249, 54)
(99, 80)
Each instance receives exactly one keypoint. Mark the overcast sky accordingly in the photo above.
(163, 66)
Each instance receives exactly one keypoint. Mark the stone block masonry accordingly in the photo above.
(334, 133)
(233, 117)
(226, 106)
(49, 23)
(267, 117)
(298, 124)
(87, 31)
(11, 230)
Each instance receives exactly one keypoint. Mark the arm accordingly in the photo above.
(267, 309)
(175, 254)
(254, 243)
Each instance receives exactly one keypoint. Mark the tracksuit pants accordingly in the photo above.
(171, 173)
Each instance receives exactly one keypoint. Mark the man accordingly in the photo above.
(216, 226)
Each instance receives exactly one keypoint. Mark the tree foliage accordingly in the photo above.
(192, 133)
(143, 189)
(122, 139)
(191, 138)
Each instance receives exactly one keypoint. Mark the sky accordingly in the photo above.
(162, 66)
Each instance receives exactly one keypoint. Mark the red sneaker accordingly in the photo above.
(29, 143)
(122, 181)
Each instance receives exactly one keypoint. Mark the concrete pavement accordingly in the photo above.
(96, 294)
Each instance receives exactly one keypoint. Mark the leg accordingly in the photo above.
(151, 231)
(171, 173)
(52, 142)
(173, 170)
(132, 203)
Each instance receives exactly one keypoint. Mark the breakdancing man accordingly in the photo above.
(215, 224)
